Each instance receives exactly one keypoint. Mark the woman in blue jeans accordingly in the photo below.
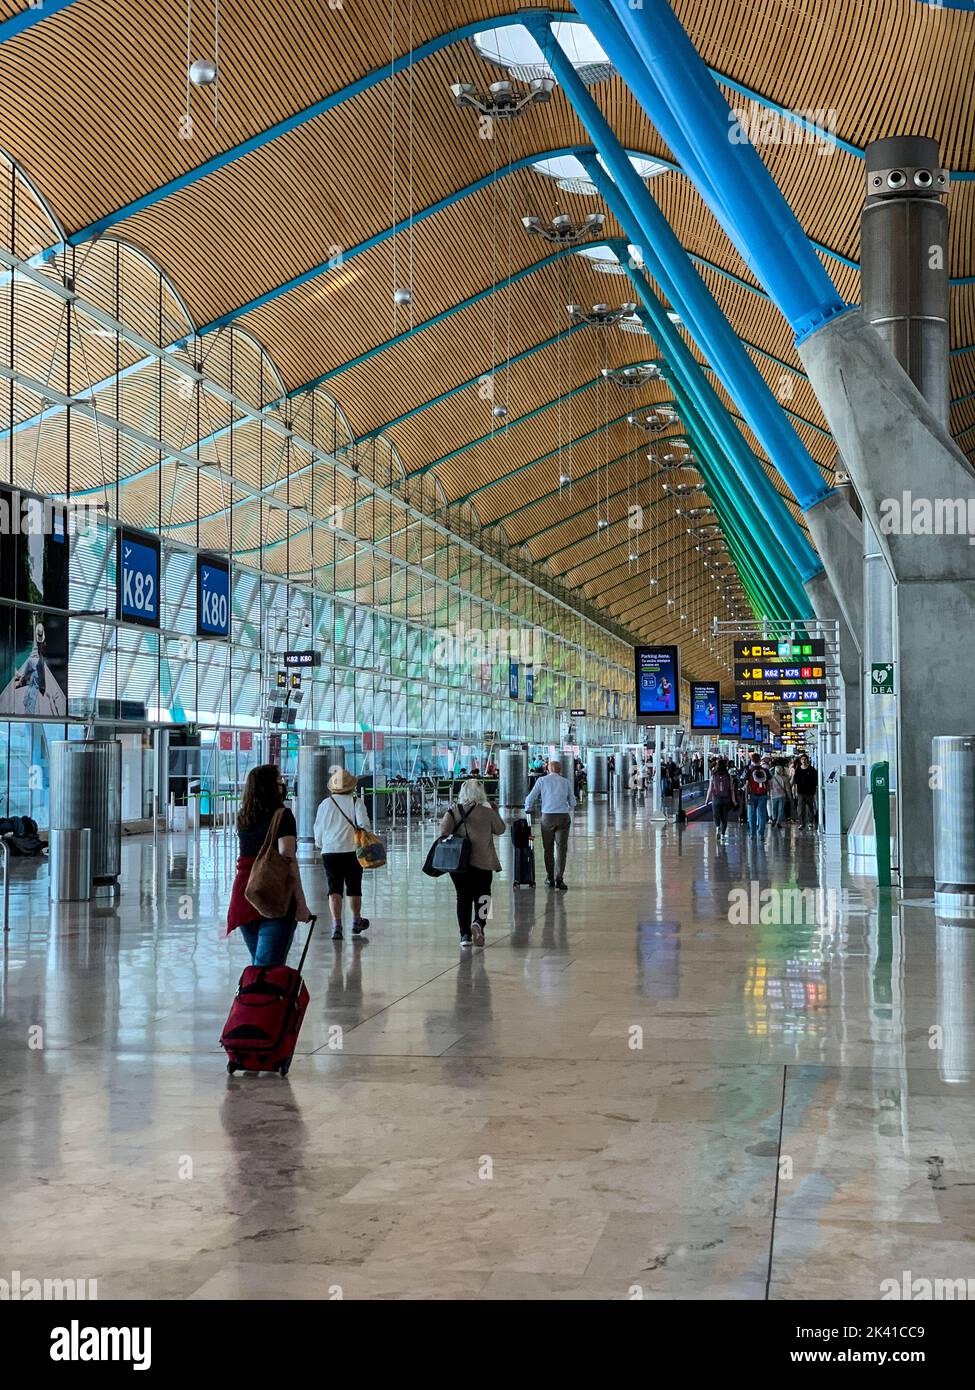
(268, 938)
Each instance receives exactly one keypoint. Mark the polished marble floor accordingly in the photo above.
(667, 1082)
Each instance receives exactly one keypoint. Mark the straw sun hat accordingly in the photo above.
(341, 781)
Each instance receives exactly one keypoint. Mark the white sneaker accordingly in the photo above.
(477, 935)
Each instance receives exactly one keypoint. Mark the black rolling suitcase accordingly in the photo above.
(524, 866)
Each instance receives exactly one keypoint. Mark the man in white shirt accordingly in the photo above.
(555, 799)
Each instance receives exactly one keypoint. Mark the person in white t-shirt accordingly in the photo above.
(336, 821)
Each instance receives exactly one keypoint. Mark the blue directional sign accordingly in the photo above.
(137, 593)
(513, 679)
(212, 597)
(529, 685)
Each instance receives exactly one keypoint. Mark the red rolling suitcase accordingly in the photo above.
(261, 1032)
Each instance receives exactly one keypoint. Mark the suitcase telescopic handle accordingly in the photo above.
(311, 928)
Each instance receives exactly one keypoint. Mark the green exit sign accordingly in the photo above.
(808, 716)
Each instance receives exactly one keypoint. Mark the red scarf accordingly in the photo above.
(241, 913)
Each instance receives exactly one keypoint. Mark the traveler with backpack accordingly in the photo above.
(778, 795)
(721, 795)
(756, 789)
(337, 819)
(474, 818)
(806, 785)
(268, 842)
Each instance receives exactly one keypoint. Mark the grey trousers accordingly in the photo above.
(555, 839)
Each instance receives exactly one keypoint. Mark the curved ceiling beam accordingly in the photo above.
(508, 425)
(27, 18)
(468, 385)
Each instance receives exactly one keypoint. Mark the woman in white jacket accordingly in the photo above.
(336, 821)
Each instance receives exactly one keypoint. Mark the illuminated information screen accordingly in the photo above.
(730, 719)
(748, 726)
(705, 704)
(803, 652)
(657, 672)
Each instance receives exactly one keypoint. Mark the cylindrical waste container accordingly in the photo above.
(513, 776)
(313, 770)
(597, 778)
(69, 864)
(86, 790)
(953, 759)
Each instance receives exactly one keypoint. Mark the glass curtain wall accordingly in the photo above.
(422, 633)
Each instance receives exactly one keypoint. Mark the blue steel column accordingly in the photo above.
(672, 268)
(773, 534)
(756, 215)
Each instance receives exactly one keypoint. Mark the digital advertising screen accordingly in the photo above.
(759, 731)
(212, 597)
(657, 685)
(513, 680)
(748, 726)
(34, 549)
(730, 719)
(705, 705)
(137, 597)
(529, 685)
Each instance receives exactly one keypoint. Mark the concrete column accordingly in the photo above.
(906, 302)
(914, 483)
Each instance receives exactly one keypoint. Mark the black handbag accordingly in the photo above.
(449, 854)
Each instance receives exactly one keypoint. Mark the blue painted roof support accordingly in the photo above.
(757, 216)
(30, 16)
(668, 262)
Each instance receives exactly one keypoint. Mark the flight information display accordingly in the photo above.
(705, 703)
(812, 649)
(748, 726)
(773, 695)
(657, 684)
(730, 719)
(786, 673)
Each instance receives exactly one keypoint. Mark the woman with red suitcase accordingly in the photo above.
(262, 804)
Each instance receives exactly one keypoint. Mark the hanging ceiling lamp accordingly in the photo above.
(600, 315)
(632, 377)
(502, 101)
(562, 231)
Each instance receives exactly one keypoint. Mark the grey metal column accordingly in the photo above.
(904, 296)
(313, 769)
(512, 777)
(86, 790)
(597, 764)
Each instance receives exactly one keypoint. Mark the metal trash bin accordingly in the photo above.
(953, 758)
(69, 861)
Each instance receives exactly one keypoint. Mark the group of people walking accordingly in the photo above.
(264, 820)
(773, 792)
(770, 791)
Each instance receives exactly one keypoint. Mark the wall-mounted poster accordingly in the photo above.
(34, 549)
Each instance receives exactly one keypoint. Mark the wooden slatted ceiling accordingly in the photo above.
(326, 186)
